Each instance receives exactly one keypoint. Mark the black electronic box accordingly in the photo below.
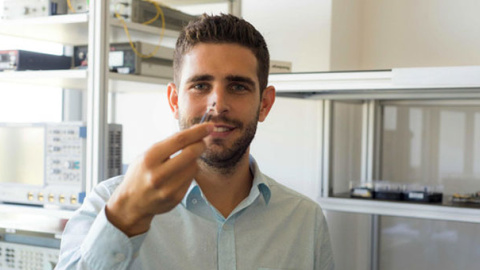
(27, 60)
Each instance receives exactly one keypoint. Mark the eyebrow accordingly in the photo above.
(200, 78)
(230, 78)
(236, 78)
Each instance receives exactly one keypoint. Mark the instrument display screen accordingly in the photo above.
(22, 154)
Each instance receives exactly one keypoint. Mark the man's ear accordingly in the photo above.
(268, 98)
(173, 98)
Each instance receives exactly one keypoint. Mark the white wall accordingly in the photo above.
(295, 31)
(146, 119)
(405, 33)
(323, 35)
(44, 104)
(345, 35)
(287, 145)
(378, 34)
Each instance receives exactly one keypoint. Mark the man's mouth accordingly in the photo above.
(219, 129)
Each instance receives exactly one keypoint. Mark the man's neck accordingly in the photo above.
(226, 191)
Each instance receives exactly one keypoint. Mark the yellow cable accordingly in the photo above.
(159, 11)
(70, 6)
(125, 27)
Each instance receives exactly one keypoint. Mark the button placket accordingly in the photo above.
(226, 245)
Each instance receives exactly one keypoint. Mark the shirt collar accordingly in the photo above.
(259, 183)
(193, 189)
(259, 180)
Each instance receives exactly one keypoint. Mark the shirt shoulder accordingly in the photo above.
(283, 194)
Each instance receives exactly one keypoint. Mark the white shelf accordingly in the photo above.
(34, 219)
(130, 83)
(66, 29)
(77, 79)
(69, 78)
(72, 29)
(327, 81)
(361, 81)
(409, 210)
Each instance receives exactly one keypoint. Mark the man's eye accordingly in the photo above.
(200, 86)
(238, 88)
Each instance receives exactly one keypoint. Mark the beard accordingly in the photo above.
(225, 160)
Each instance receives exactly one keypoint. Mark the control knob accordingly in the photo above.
(71, 164)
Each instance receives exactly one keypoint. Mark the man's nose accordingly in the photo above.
(220, 98)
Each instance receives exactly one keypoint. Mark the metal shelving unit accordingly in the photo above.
(97, 29)
(438, 83)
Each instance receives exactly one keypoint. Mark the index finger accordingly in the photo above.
(161, 151)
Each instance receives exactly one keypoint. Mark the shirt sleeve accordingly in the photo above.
(90, 241)
(323, 249)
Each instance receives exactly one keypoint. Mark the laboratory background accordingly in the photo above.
(377, 117)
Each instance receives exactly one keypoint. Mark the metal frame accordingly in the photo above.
(98, 48)
(326, 148)
(365, 171)
(235, 7)
(374, 242)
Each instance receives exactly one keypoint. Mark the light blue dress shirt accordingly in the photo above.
(273, 228)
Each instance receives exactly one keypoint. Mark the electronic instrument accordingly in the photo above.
(44, 163)
(139, 11)
(20, 256)
(21, 9)
(123, 59)
(27, 60)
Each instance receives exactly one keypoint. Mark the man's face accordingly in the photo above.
(224, 74)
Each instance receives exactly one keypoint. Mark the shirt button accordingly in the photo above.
(194, 201)
(119, 257)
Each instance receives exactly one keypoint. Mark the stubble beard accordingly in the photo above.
(225, 161)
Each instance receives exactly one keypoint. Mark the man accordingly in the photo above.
(198, 200)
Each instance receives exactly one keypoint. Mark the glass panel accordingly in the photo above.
(346, 141)
(431, 144)
(351, 239)
(408, 243)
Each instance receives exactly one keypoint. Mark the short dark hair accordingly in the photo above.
(223, 28)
